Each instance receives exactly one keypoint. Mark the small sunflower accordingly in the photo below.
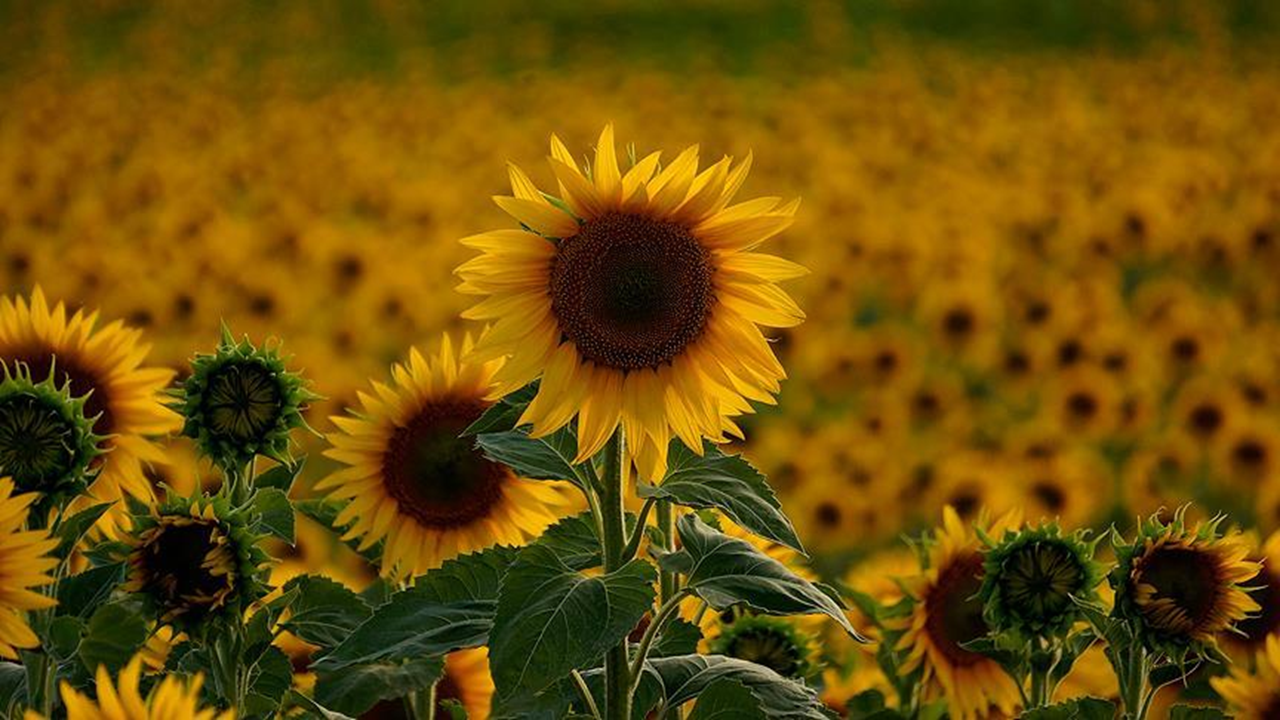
(46, 443)
(23, 565)
(241, 402)
(415, 484)
(1033, 578)
(1181, 586)
(1254, 695)
(947, 614)
(636, 297)
(195, 559)
(104, 366)
(173, 698)
(776, 643)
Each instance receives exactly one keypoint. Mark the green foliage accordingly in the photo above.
(323, 612)
(545, 458)
(727, 700)
(274, 514)
(680, 679)
(1088, 708)
(114, 633)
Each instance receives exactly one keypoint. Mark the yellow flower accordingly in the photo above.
(467, 680)
(1254, 695)
(414, 484)
(106, 362)
(172, 699)
(636, 298)
(946, 615)
(23, 565)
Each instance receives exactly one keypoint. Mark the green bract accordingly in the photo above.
(241, 402)
(1033, 579)
(46, 443)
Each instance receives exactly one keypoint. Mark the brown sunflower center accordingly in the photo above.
(175, 567)
(630, 291)
(83, 382)
(439, 478)
(953, 613)
(1188, 578)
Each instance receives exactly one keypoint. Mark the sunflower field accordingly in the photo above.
(893, 359)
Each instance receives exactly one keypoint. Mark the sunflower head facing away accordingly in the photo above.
(172, 698)
(24, 566)
(1253, 695)
(47, 444)
(636, 297)
(774, 642)
(415, 484)
(1033, 579)
(1181, 586)
(103, 366)
(241, 402)
(193, 560)
(945, 615)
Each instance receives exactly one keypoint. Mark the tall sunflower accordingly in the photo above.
(636, 297)
(106, 365)
(1181, 586)
(173, 698)
(414, 484)
(946, 614)
(23, 565)
(1254, 695)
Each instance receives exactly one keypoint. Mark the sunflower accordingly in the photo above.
(414, 484)
(106, 365)
(173, 698)
(636, 298)
(23, 565)
(46, 442)
(1254, 695)
(776, 643)
(945, 615)
(1033, 577)
(467, 681)
(1180, 586)
(193, 560)
(1252, 632)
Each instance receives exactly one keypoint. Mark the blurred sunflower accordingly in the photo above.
(467, 680)
(946, 615)
(106, 365)
(415, 485)
(174, 698)
(1253, 631)
(24, 566)
(636, 298)
(1254, 695)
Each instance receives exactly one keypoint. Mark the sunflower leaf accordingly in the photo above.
(280, 477)
(727, 483)
(356, 688)
(504, 414)
(114, 633)
(323, 612)
(551, 620)
(726, 571)
(82, 593)
(679, 637)
(270, 678)
(77, 526)
(1085, 708)
(275, 513)
(727, 700)
(450, 608)
(544, 458)
(1190, 712)
(677, 680)
(575, 541)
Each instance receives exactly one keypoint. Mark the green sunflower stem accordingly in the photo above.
(668, 582)
(1133, 682)
(613, 544)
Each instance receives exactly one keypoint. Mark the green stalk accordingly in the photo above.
(668, 582)
(613, 542)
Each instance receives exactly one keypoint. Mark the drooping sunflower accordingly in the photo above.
(47, 444)
(105, 366)
(415, 485)
(945, 615)
(1180, 586)
(193, 560)
(1254, 695)
(173, 698)
(23, 565)
(636, 297)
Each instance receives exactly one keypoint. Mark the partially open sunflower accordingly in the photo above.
(415, 484)
(1254, 695)
(636, 297)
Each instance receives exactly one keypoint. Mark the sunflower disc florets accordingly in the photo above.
(1181, 586)
(241, 402)
(47, 444)
(1034, 578)
(194, 560)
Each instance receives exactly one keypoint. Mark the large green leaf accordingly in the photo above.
(1085, 708)
(450, 608)
(679, 637)
(726, 571)
(552, 620)
(503, 415)
(84, 592)
(575, 541)
(545, 458)
(280, 477)
(727, 700)
(274, 513)
(75, 527)
(681, 679)
(270, 677)
(114, 633)
(13, 687)
(355, 689)
(727, 483)
(323, 612)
